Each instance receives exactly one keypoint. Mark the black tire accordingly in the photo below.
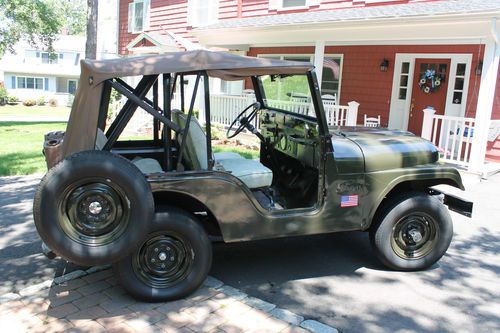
(412, 232)
(93, 208)
(174, 234)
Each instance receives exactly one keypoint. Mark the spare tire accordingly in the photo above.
(93, 208)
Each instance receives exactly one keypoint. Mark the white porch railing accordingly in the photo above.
(452, 136)
(225, 108)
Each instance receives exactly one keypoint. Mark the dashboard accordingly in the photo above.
(291, 135)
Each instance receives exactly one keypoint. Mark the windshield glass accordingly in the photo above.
(290, 93)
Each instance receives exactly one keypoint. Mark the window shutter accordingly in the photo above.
(46, 83)
(146, 15)
(131, 20)
(13, 82)
(274, 4)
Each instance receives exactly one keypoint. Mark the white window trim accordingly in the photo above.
(281, 56)
(26, 80)
(131, 28)
(191, 8)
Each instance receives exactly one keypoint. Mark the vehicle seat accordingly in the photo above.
(146, 165)
(253, 173)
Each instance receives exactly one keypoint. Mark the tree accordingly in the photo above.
(91, 44)
(73, 15)
(35, 21)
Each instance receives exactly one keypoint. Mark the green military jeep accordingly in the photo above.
(152, 206)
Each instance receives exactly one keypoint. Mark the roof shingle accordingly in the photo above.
(445, 7)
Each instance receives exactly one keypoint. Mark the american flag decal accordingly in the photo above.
(349, 200)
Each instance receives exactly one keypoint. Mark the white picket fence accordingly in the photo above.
(225, 108)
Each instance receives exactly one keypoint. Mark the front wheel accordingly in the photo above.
(171, 263)
(412, 232)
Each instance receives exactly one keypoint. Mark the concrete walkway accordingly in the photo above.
(91, 301)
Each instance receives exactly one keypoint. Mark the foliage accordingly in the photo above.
(3, 92)
(23, 155)
(53, 102)
(40, 101)
(217, 132)
(29, 102)
(73, 15)
(279, 89)
(12, 99)
(35, 21)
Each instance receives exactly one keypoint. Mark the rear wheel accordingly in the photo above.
(412, 233)
(171, 263)
(93, 208)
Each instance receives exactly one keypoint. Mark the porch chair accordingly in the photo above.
(372, 121)
(329, 99)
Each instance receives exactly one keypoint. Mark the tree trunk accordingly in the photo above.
(91, 44)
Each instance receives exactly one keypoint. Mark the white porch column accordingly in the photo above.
(427, 123)
(319, 55)
(485, 103)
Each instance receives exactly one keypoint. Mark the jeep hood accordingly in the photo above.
(387, 149)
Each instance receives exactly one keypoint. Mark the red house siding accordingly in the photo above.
(363, 82)
(172, 14)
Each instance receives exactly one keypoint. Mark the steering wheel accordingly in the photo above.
(245, 121)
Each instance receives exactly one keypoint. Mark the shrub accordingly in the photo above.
(3, 94)
(40, 101)
(29, 102)
(217, 132)
(12, 99)
(53, 102)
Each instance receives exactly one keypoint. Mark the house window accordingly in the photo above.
(332, 71)
(202, 12)
(71, 87)
(292, 4)
(37, 83)
(403, 80)
(138, 15)
(330, 79)
(458, 88)
(47, 58)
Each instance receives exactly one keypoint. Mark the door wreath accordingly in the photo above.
(430, 81)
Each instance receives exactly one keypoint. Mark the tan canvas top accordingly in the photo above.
(82, 125)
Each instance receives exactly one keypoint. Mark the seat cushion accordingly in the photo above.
(226, 155)
(253, 173)
(147, 165)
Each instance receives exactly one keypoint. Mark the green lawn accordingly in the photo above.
(246, 153)
(21, 145)
(24, 112)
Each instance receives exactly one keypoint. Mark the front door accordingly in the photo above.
(430, 85)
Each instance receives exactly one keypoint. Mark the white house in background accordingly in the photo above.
(31, 73)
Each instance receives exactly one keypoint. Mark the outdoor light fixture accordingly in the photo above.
(384, 65)
(479, 67)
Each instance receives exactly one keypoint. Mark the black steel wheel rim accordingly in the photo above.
(94, 212)
(414, 236)
(164, 260)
